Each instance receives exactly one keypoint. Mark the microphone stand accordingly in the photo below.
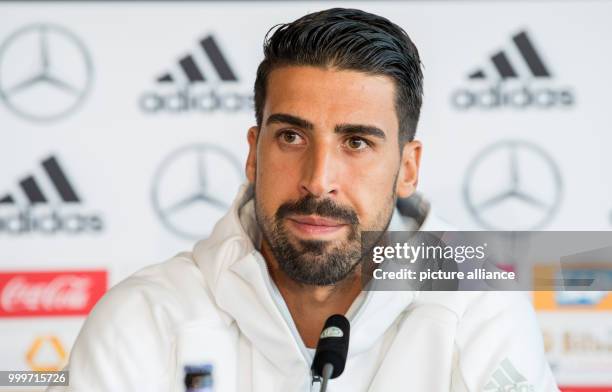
(328, 369)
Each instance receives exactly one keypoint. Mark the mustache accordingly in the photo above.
(310, 205)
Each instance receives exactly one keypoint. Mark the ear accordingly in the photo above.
(408, 176)
(251, 163)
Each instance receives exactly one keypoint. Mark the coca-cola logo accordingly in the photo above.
(62, 293)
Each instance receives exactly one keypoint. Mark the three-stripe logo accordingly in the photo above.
(201, 81)
(516, 77)
(507, 379)
(193, 71)
(43, 203)
(504, 67)
(34, 194)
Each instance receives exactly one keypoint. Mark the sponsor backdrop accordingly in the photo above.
(124, 125)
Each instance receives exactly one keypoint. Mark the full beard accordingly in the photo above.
(314, 262)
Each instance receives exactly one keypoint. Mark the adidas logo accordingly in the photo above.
(35, 207)
(507, 379)
(192, 70)
(504, 67)
(35, 195)
(515, 78)
(199, 83)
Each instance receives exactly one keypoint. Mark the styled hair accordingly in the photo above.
(348, 39)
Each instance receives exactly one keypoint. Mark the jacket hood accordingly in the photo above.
(241, 286)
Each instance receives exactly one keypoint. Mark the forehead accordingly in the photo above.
(328, 96)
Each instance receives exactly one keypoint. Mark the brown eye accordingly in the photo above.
(356, 143)
(290, 137)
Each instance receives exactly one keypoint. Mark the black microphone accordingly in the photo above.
(332, 349)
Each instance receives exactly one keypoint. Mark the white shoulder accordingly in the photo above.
(174, 289)
(497, 337)
(131, 332)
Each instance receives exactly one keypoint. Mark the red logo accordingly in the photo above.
(50, 293)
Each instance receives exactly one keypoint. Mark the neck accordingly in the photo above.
(310, 305)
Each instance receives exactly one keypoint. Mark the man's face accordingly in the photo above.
(326, 166)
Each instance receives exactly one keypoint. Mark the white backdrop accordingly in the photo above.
(108, 110)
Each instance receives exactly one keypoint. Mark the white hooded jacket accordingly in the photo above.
(218, 306)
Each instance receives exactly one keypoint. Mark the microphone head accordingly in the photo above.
(333, 346)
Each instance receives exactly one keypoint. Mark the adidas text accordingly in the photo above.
(523, 387)
(196, 100)
(517, 97)
(49, 222)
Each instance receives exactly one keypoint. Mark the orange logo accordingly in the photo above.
(46, 354)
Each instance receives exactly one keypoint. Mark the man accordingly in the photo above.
(337, 101)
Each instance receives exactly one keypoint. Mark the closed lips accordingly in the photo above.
(316, 221)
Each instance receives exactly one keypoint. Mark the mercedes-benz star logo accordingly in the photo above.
(512, 185)
(45, 72)
(194, 187)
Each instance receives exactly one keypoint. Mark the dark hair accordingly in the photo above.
(353, 40)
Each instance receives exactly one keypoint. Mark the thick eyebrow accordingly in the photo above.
(346, 129)
(358, 129)
(284, 118)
